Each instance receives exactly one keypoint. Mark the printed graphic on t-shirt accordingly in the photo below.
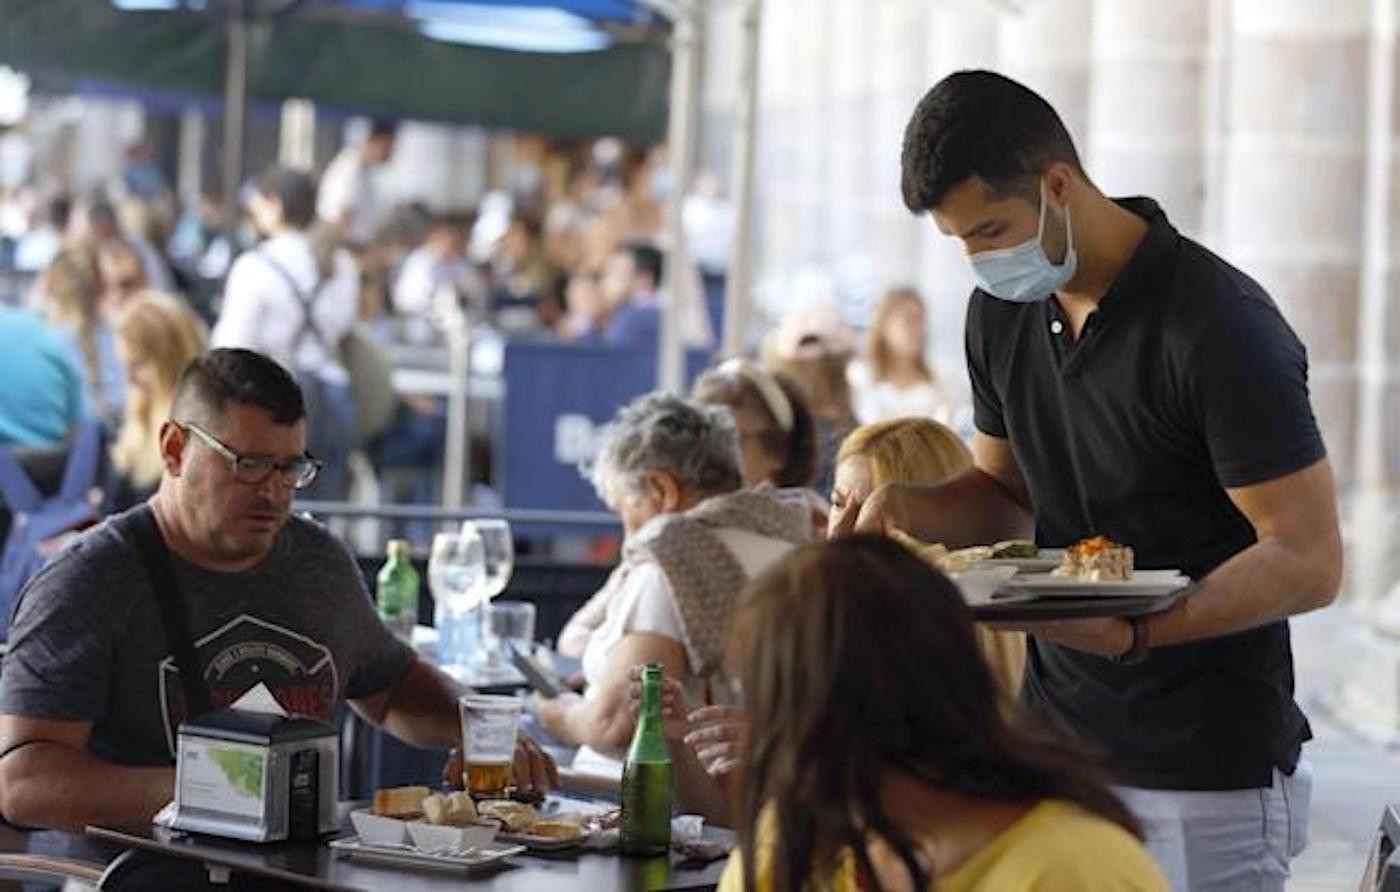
(298, 670)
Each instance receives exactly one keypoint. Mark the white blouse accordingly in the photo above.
(639, 599)
(881, 401)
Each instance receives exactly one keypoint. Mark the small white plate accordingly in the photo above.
(404, 856)
(980, 583)
(378, 829)
(1145, 583)
(430, 837)
(1047, 560)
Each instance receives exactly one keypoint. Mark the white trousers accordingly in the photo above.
(1226, 840)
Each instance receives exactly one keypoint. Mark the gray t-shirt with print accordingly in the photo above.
(87, 642)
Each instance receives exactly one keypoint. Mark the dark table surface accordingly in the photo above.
(315, 866)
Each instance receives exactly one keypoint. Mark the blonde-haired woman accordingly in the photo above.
(893, 379)
(157, 335)
(70, 294)
(921, 451)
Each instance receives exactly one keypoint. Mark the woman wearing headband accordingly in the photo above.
(777, 434)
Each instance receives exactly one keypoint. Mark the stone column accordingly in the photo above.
(957, 36)
(1146, 104)
(1374, 570)
(1295, 161)
(1047, 48)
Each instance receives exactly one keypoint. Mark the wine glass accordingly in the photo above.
(456, 566)
(498, 548)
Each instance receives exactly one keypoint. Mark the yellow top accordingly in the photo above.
(1056, 846)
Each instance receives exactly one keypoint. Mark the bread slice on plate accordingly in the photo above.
(399, 802)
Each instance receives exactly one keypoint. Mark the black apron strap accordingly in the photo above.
(308, 304)
(155, 555)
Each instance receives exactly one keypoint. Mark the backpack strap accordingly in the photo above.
(155, 555)
(16, 489)
(84, 464)
(308, 303)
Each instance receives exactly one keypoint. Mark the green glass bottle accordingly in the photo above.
(396, 591)
(646, 777)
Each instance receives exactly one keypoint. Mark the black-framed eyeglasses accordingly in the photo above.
(299, 473)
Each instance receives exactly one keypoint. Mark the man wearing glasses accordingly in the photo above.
(90, 696)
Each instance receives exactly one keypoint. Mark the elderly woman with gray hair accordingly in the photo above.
(694, 538)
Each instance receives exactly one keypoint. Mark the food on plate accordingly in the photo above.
(400, 802)
(1099, 559)
(1014, 549)
(515, 817)
(951, 562)
(962, 560)
(454, 809)
(556, 829)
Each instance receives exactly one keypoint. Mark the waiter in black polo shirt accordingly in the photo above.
(1127, 382)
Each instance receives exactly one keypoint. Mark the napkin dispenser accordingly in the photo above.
(256, 776)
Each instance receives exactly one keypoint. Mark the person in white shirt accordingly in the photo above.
(439, 263)
(671, 470)
(347, 200)
(38, 247)
(294, 298)
(892, 379)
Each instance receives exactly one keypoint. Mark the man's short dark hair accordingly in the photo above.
(982, 124)
(647, 259)
(58, 210)
(383, 128)
(224, 376)
(295, 190)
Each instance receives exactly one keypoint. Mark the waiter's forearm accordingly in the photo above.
(1266, 582)
(971, 509)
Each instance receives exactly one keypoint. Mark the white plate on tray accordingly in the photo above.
(1047, 560)
(407, 856)
(1145, 583)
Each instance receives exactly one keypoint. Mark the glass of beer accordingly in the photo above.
(489, 728)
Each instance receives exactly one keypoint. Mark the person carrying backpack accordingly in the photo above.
(295, 298)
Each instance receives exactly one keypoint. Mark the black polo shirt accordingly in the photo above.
(1185, 381)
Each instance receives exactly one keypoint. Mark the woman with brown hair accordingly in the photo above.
(893, 379)
(71, 300)
(919, 451)
(877, 757)
(123, 274)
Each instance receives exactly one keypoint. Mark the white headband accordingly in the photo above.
(766, 385)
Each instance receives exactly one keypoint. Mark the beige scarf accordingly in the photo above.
(704, 575)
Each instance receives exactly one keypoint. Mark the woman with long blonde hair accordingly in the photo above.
(157, 335)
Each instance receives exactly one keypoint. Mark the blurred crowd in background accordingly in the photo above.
(108, 292)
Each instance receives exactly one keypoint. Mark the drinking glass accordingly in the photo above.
(489, 728)
(510, 621)
(456, 566)
(498, 557)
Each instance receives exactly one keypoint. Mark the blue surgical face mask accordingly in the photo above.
(1023, 274)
